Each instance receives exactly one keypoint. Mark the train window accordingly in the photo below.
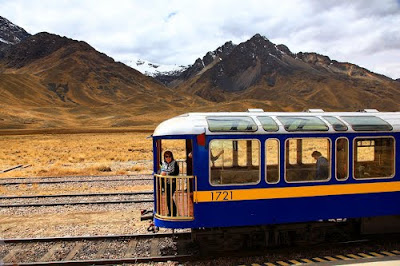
(272, 160)
(231, 124)
(302, 123)
(268, 123)
(234, 161)
(307, 159)
(374, 157)
(342, 158)
(367, 123)
(336, 123)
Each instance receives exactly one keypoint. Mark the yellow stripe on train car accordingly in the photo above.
(295, 192)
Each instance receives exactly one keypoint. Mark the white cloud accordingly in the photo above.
(363, 32)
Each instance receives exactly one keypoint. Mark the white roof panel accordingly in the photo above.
(196, 123)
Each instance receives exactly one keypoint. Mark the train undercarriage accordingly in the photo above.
(258, 237)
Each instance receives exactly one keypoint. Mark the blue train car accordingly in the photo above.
(261, 168)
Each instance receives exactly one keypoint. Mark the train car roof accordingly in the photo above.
(256, 121)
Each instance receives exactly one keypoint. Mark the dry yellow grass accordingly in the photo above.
(76, 154)
(81, 154)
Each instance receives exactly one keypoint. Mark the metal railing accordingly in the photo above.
(174, 197)
(182, 166)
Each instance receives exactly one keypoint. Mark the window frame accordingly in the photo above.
(232, 131)
(374, 137)
(356, 128)
(279, 161)
(327, 117)
(262, 125)
(348, 159)
(309, 181)
(302, 117)
(234, 184)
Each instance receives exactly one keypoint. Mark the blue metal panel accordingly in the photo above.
(277, 211)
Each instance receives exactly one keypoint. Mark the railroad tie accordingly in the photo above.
(343, 257)
(307, 261)
(10, 257)
(366, 256)
(376, 254)
(388, 253)
(130, 249)
(354, 256)
(74, 251)
(154, 247)
(295, 262)
(50, 253)
(102, 250)
(319, 259)
(330, 258)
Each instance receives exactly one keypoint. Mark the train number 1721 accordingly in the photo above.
(221, 195)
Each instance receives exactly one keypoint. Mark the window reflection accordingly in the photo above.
(234, 161)
(307, 159)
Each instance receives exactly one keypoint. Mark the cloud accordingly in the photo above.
(180, 31)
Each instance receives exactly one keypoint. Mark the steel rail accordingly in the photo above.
(75, 195)
(74, 203)
(72, 176)
(101, 237)
(179, 258)
(74, 181)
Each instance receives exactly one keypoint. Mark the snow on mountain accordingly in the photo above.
(11, 33)
(153, 69)
(4, 41)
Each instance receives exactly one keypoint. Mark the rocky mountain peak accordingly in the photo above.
(40, 45)
(261, 44)
(220, 52)
(314, 58)
(210, 57)
(11, 33)
(284, 49)
(258, 38)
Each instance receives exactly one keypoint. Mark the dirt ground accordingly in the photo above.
(72, 220)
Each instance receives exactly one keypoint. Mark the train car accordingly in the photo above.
(256, 168)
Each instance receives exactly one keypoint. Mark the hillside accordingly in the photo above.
(260, 72)
(53, 82)
(48, 81)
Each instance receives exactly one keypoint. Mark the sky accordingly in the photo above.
(363, 32)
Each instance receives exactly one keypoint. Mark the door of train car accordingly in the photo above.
(174, 180)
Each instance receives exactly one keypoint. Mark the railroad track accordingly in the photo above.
(73, 176)
(89, 250)
(49, 181)
(65, 199)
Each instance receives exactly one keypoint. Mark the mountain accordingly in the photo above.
(262, 73)
(53, 82)
(49, 81)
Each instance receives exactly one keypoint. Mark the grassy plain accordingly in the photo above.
(76, 154)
